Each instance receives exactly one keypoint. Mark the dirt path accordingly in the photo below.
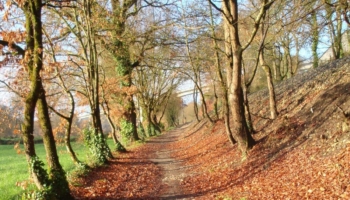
(173, 171)
(146, 172)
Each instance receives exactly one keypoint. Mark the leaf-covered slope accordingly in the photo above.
(304, 153)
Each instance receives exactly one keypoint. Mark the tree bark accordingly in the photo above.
(59, 183)
(240, 129)
(246, 104)
(228, 53)
(272, 96)
(195, 104)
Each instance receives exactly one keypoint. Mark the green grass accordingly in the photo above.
(14, 167)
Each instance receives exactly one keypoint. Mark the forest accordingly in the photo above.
(268, 83)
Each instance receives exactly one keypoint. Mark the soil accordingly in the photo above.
(303, 154)
(173, 170)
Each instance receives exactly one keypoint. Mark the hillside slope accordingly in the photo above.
(303, 154)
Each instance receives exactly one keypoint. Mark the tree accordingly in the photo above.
(107, 91)
(119, 49)
(234, 51)
(195, 61)
(155, 86)
(172, 111)
(220, 75)
(53, 184)
(68, 118)
(335, 25)
(79, 21)
(314, 38)
(266, 68)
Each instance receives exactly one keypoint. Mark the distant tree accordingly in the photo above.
(155, 86)
(314, 38)
(9, 122)
(173, 110)
(335, 26)
(196, 61)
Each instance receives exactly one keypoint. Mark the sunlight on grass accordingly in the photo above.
(14, 168)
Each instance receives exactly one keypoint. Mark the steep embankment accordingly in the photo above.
(304, 153)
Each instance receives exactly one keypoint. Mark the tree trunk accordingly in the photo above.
(229, 53)
(69, 120)
(216, 100)
(204, 104)
(68, 144)
(240, 128)
(133, 119)
(195, 104)
(120, 51)
(335, 32)
(118, 145)
(246, 104)
(59, 183)
(287, 61)
(235, 94)
(196, 79)
(314, 37)
(151, 128)
(28, 124)
(106, 109)
(272, 98)
(227, 118)
(97, 125)
(276, 65)
(338, 41)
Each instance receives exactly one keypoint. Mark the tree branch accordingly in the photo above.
(13, 46)
(261, 14)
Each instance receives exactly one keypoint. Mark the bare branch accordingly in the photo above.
(13, 46)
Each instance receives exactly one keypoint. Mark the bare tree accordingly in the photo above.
(234, 51)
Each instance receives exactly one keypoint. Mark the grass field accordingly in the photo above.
(14, 168)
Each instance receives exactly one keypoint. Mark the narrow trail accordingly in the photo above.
(145, 172)
(173, 171)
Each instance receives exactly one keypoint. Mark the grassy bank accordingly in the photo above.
(14, 168)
